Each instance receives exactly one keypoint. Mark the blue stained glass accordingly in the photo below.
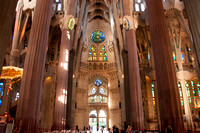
(97, 37)
(98, 82)
(149, 57)
(182, 57)
(1, 93)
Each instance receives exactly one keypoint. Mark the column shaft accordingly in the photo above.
(62, 82)
(169, 99)
(28, 110)
(60, 109)
(193, 13)
(137, 117)
(15, 53)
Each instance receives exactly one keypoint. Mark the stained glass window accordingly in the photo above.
(97, 37)
(103, 48)
(93, 91)
(92, 48)
(92, 54)
(153, 95)
(105, 56)
(98, 82)
(102, 91)
(100, 56)
(1, 93)
(98, 92)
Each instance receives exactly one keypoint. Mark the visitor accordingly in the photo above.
(129, 129)
(115, 129)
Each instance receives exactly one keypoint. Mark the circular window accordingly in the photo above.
(97, 37)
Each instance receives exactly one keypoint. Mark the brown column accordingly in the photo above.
(6, 16)
(28, 110)
(62, 82)
(193, 13)
(137, 117)
(169, 99)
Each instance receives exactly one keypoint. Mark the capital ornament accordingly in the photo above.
(129, 23)
(67, 22)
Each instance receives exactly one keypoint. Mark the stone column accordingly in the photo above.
(126, 87)
(71, 94)
(168, 94)
(60, 109)
(62, 82)
(188, 113)
(15, 53)
(193, 13)
(28, 109)
(6, 16)
(136, 109)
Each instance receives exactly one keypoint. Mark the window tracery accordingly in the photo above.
(97, 54)
(97, 92)
(140, 5)
(58, 5)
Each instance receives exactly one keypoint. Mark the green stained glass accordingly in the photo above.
(174, 56)
(103, 48)
(198, 84)
(153, 94)
(189, 93)
(192, 83)
(195, 102)
(194, 92)
(90, 56)
(97, 37)
(105, 58)
(181, 94)
(182, 102)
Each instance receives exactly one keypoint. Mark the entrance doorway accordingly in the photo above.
(97, 120)
(93, 120)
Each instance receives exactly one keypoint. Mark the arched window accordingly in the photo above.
(58, 5)
(1, 93)
(103, 54)
(140, 6)
(92, 56)
(97, 92)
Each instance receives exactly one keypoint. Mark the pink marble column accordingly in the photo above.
(168, 94)
(62, 89)
(59, 121)
(136, 109)
(28, 109)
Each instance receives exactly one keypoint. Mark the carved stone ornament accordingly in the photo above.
(67, 22)
(129, 23)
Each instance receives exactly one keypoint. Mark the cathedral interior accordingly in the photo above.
(88, 64)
